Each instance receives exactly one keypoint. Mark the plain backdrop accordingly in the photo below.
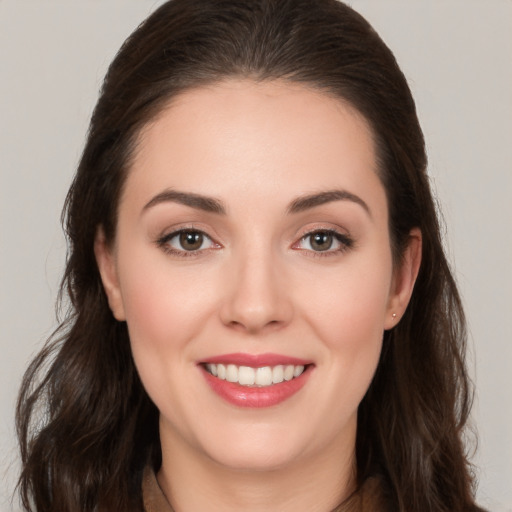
(457, 56)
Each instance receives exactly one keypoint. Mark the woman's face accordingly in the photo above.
(253, 267)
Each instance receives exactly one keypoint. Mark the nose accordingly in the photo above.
(258, 295)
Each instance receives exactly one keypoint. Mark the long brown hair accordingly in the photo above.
(86, 426)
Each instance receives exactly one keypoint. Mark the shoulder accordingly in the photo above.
(152, 495)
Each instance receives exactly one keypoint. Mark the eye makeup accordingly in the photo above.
(324, 242)
(190, 241)
(187, 242)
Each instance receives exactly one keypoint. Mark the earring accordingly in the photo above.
(394, 316)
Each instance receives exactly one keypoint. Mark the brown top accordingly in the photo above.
(368, 499)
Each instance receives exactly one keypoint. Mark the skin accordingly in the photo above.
(257, 287)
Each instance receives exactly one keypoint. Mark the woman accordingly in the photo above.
(262, 313)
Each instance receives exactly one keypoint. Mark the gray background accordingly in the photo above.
(457, 56)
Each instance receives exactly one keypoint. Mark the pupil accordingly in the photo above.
(321, 241)
(191, 241)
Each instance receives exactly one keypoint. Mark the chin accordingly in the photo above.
(256, 451)
(263, 459)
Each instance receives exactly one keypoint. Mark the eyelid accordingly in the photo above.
(163, 241)
(344, 239)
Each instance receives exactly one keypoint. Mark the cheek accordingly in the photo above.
(165, 310)
(161, 300)
(348, 317)
(351, 329)
(349, 306)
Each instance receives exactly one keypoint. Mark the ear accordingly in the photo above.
(108, 271)
(403, 279)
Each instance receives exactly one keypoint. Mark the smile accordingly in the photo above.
(255, 377)
(264, 380)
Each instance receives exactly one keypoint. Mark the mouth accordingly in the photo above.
(256, 381)
(261, 377)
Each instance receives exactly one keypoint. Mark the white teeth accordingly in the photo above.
(221, 371)
(232, 373)
(247, 376)
(298, 370)
(277, 374)
(263, 376)
(288, 372)
(212, 368)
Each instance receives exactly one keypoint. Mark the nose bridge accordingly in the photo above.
(257, 298)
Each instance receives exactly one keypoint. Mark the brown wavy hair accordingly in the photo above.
(85, 424)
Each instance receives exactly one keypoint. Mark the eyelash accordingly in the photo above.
(163, 243)
(345, 241)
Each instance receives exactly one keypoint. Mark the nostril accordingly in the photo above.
(253, 327)
(254, 304)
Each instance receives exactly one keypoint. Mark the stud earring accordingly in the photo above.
(394, 316)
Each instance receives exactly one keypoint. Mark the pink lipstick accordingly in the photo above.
(262, 380)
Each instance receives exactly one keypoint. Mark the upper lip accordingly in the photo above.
(256, 360)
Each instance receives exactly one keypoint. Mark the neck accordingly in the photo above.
(192, 481)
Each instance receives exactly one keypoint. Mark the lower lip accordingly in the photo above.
(256, 397)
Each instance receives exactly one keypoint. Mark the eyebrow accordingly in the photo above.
(312, 200)
(200, 202)
(212, 205)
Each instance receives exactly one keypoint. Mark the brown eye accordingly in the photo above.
(325, 241)
(186, 242)
(191, 240)
(321, 241)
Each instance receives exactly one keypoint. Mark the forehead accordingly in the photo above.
(244, 137)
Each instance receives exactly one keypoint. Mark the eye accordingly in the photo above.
(186, 241)
(325, 240)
